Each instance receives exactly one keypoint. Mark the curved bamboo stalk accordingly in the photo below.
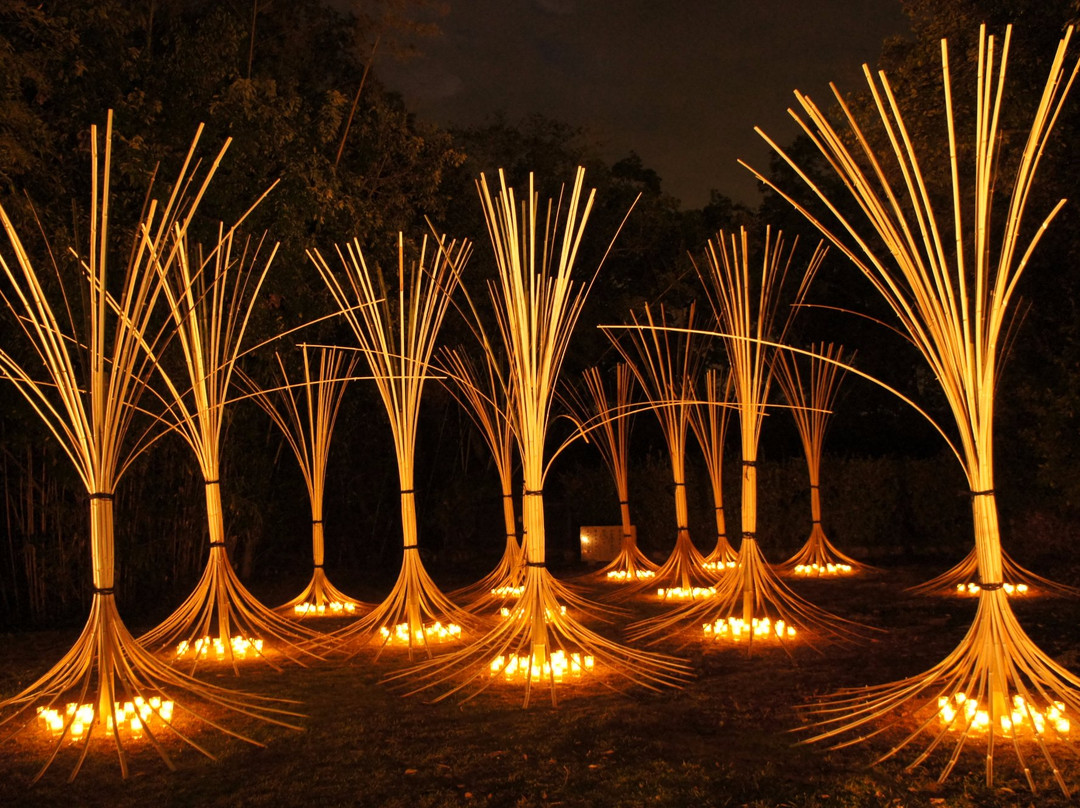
(484, 398)
(210, 300)
(594, 404)
(709, 421)
(665, 364)
(951, 286)
(95, 369)
(536, 306)
(396, 330)
(745, 306)
(811, 407)
(306, 412)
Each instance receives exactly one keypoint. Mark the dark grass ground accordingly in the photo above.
(723, 740)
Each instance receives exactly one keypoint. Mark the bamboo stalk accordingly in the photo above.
(86, 384)
(951, 285)
(709, 422)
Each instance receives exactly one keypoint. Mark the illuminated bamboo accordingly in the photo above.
(709, 421)
(811, 403)
(606, 419)
(210, 299)
(484, 398)
(951, 285)
(536, 307)
(665, 365)
(306, 412)
(95, 365)
(396, 330)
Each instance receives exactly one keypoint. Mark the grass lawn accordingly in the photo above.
(723, 740)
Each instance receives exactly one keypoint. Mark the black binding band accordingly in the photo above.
(539, 492)
(405, 491)
(536, 564)
(816, 522)
(989, 492)
(106, 497)
(682, 528)
(815, 487)
(411, 547)
(317, 566)
(103, 590)
(750, 463)
(211, 482)
(749, 534)
(217, 544)
(992, 587)
(316, 521)
(624, 502)
(719, 508)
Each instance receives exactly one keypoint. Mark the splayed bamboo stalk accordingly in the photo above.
(396, 330)
(536, 306)
(951, 285)
(96, 364)
(484, 398)
(606, 419)
(305, 412)
(962, 579)
(709, 421)
(745, 305)
(210, 299)
(811, 403)
(666, 364)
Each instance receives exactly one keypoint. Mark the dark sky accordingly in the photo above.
(682, 82)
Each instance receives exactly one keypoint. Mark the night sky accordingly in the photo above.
(681, 83)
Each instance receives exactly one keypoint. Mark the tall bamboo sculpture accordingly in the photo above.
(605, 418)
(210, 299)
(666, 364)
(541, 640)
(951, 285)
(305, 412)
(482, 394)
(709, 421)
(811, 403)
(84, 374)
(396, 330)
(751, 602)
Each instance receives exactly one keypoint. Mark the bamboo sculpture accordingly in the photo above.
(666, 364)
(308, 427)
(951, 285)
(811, 404)
(210, 300)
(605, 419)
(751, 602)
(96, 365)
(396, 330)
(709, 421)
(541, 640)
(484, 399)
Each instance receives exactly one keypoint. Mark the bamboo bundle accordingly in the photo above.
(709, 421)
(89, 399)
(751, 602)
(307, 428)
(606, 419)
(665, 364)
(951, 285)
(397, 333)
(811, 406)
(485, 400)
(210, 300)
(537, 305)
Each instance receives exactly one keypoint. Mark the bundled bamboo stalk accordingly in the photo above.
(536, 306)
(951, 282)
(746, 306)
(306, 412)
(94, 370)
(396, 330)
(811, 402)
(709, 421)
(605, 420)
(210, 298)
(484, 398)
(665, 364)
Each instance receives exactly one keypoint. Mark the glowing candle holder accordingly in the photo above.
(686, 592)
(332, 608)
(215, 648)
(620, 576)
(735, 629)
(507, 591)
(506, 611)
(823, 569)
(431, 633)
(973, 588)
(960, 712)
(559, 666)
(718, 566)
(131, 716)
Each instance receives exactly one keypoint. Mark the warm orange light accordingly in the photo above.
(508, 591)
(431, 633)
(559, 666)
(735, 628)
(132, 715)
(973, 588)
(624, 575)
(685, 592)
(718, 566)
(332, 608)
(960, 712)
(822, 569)
(214, 647)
